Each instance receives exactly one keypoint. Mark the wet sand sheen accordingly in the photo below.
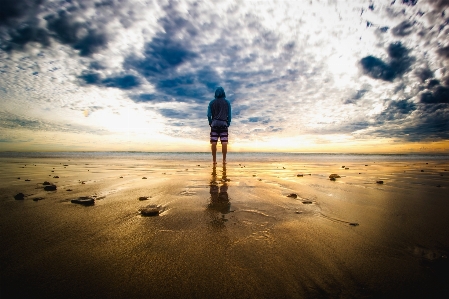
(229, 232)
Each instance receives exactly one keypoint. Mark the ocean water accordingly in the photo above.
(231, 157)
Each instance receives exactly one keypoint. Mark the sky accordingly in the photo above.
(301, 76)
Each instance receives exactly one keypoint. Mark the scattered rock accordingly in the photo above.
(19, 196)
(353, 224)
(422, 170)
(56, 177)
(18, 178)
(307, 202)
(343, 166)
(121, 177)
(46, 183)
(260, 179)
(37, 198)
(292, 195)
(254, 175)
(144, 197)
(53, 170)
(50, 188)
(299, 175)
(334, 176)
(198, 165)
(84, 200)
(66, 165)
(298, 212)
(27, 180)
(346, 167)
(68, 190)
(366, 164)
(379, 182)
(144, 178)
(150, 211)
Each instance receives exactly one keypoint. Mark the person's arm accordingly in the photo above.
(229, 113)
(209, 114)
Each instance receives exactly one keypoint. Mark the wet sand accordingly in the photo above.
(224, 232)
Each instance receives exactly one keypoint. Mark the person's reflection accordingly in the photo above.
(219, 204)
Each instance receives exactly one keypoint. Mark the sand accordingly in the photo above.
(224, 232)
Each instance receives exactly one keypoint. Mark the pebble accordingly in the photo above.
(379, 182)
(37, 198)
(353, 224)
(144, 178)
(334, 176)
(149, 212)
(56, 177)
(19, 196)
(85, 201)
(299, 175)
(144, 198)
(50, 188)
(307, 202)
(292, 195)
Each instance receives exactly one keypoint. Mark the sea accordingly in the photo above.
(231, 157)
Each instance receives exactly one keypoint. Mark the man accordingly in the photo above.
(219, 116)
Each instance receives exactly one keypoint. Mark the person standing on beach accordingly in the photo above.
(219, 116)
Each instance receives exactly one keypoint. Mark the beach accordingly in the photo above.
(275, 227)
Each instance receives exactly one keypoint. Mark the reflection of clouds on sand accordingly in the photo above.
(219, 198)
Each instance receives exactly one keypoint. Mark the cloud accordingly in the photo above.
(13, 10)
(400, 63)
(403, 29)
(439, 94)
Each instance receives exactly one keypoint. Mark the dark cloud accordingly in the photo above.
(399, 63)
(77, 34)
(377, 69)
(24, 35)
(423, 74)
(123, 82)
(403, 29)
(397, 110)
(410, 2)
(443, 52)
(12, 10)
(439, 4)
(439, 94)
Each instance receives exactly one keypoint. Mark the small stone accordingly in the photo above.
(53, 170)
(439, 186)
(66, 165)
(144, 198)
(332, 179)
(292, 195)
(379, 182)
(50, 188)
(121, 177)
(366, 164)
(346, 167)
(298, 212)
(19, 196)
(334, 176)
(37, 198)
(299, 175)
(18, 178)
(56, 177)
(27, 180)
(46, 183)
(149, 212)
(84, 200)
(260, 179)
(68, 190)
(422, 170)
(198, 165)
(144, 178)
(353, 224)
(307, 202)
(343, 167)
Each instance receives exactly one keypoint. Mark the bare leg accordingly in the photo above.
(224, 150)
(214, 152)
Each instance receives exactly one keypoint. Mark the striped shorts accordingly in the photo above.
(219, 132)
